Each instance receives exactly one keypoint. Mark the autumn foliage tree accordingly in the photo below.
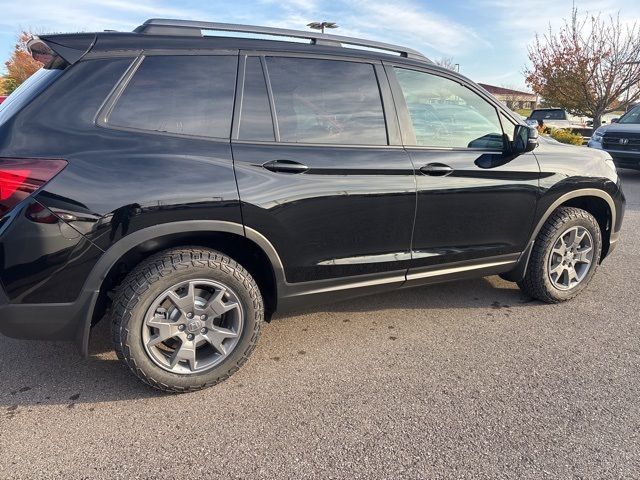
(20, 66)
(591, 66)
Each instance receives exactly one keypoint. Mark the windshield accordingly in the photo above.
(26, 92)
(632, 116)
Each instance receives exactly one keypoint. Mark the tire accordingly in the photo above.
(542, 280)
(191, 357)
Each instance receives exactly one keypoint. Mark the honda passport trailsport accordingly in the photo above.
(192, 185)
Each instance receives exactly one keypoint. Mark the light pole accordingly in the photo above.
(322, 25)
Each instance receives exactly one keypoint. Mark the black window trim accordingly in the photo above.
(502, 117)
(271, 98)
(404, 119)
(392, 128)
(104, 112)
(237, 110)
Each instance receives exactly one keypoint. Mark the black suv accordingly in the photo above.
(621, 139)
(192, 185)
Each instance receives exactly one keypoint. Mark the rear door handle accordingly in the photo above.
(285, 166)
(437, 170)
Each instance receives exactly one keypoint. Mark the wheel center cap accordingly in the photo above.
(193, 326)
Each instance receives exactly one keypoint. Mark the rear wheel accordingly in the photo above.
(186, 319)
(565, 256)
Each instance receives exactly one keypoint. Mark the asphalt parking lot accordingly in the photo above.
(462, 380)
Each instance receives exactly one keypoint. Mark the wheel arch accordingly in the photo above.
(243, 244)
(593, 200)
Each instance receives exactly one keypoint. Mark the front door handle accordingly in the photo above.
(285, 166)
(437, 170)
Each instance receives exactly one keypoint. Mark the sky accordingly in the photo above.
(488, 38)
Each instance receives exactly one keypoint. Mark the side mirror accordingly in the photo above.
(525, 139)
(615, 120)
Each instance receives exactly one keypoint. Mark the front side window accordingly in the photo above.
(327, 101)
(187, 95)
(446, 114)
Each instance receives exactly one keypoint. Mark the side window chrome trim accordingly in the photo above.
(327, 145)
(102, 117)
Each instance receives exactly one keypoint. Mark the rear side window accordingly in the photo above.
(188, 95)
(327, 101)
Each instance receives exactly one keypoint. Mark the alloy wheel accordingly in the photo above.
(570, 258)
(192, 326)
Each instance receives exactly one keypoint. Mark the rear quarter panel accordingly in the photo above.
(117, 182)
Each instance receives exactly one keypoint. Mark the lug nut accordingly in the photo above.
(181, 327)
(203, 317)
(203, 330)
(189, 315)
(190, 337)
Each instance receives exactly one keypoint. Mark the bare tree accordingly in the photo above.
(446, 62)
(589, 67)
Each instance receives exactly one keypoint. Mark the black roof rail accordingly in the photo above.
(162, 26)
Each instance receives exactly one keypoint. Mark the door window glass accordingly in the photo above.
(327, 101)
(446, 114)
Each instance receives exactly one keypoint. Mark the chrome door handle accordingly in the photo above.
(285, 166)
(437, 170)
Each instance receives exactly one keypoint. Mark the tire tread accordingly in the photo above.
(154, 269)
(533, 283)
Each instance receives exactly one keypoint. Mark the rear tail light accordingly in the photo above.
(22, 177)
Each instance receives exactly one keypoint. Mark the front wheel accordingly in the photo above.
(565, 256)
(186, 319)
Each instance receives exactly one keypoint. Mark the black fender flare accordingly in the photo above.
(518, 272)
(110, 257)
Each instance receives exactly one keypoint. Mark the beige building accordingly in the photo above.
(513, 99)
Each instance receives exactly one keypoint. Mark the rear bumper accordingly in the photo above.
(47, 321)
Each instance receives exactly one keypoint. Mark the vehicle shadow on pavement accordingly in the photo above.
(631, 186)
(53, 373)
